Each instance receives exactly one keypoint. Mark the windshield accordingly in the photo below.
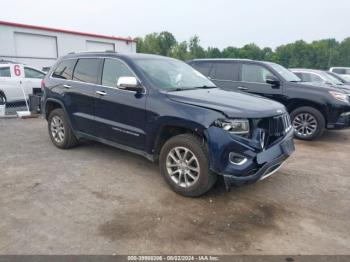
(331, 79)
(341, 79)
(285, 73)
(172, 74)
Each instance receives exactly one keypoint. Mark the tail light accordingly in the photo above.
(42, 85)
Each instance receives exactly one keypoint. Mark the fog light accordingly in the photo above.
(237, 159)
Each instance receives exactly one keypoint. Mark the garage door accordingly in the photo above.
(99, 46)
(33, 45)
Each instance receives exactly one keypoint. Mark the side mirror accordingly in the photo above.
(129, 83)
(273, 81)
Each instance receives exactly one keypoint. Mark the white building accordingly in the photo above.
(40, 46)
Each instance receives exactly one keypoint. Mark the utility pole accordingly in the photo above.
(330, 54)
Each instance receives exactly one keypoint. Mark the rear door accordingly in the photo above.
(10, 82)
(82, 93)
(253, 80)
(32, 79)
(225, 74)
(75, 82)
(120, 114)
(10, 86)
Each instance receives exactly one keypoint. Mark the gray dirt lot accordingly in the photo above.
(95, 199)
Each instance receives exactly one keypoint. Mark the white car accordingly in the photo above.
(342, 71)
(17, 81)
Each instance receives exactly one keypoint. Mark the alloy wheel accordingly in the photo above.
(182, 167)
(305, 124)
(57, 129)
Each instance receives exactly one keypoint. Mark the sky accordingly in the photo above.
(218, 23)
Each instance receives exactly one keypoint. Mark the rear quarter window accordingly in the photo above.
(5, 72)
(64, 70)
(203, 67)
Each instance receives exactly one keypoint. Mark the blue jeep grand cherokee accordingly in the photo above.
(165, 110)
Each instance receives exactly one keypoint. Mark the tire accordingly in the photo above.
(196, 183)
(3, 99)
(314, 126)
(58, 121)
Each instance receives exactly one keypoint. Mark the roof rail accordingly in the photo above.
(78, 52)
(3, 61)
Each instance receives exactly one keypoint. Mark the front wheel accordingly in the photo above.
(184, 164)
(308, 123)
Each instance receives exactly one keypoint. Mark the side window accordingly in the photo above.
(86, 70)
(225, 71)
(255, 73)
(304, 77)
(339, 71)
(32, 73)
(112, 70)
(315, 78)
(300, 75)
(203, 67)
(5, 72)
(65, 69)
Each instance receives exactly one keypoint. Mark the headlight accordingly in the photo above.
(340, 96)
(234, 126)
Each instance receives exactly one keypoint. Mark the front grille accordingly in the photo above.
(273, 128)
(279, 125)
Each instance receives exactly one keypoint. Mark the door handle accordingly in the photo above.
(242, 88)
(101, 93)
(67, 86)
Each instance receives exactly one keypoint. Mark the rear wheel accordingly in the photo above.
(3, 100)
(184, 165)
(308, 123)
(60, 132)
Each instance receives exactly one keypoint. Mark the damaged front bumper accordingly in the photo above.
(253, 163)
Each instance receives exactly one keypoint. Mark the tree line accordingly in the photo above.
(320, 54)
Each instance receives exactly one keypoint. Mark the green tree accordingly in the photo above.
(196, 51)
(166, 42)
(320, 54)
(180, 51)
(230, 52)
(213, 52)
(251, 51)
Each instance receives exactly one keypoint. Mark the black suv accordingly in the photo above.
(164, 110)
(312, 107)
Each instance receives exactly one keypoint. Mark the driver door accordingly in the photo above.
(120, 114)
(253, 80)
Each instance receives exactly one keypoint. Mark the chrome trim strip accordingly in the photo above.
(266, 175)
(115, 125)
(102, 57)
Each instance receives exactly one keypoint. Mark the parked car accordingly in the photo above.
(320, 77)
(340, 78)
(312, 109)
(342, 71)
(166, 111)
(12, 80)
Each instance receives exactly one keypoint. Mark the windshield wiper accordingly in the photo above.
(176, 89)
(189, 88)
(205, 87)
(295, 81)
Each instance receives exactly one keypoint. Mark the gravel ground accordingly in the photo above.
(95, 199)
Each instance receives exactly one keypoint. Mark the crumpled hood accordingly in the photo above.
(232, 104)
